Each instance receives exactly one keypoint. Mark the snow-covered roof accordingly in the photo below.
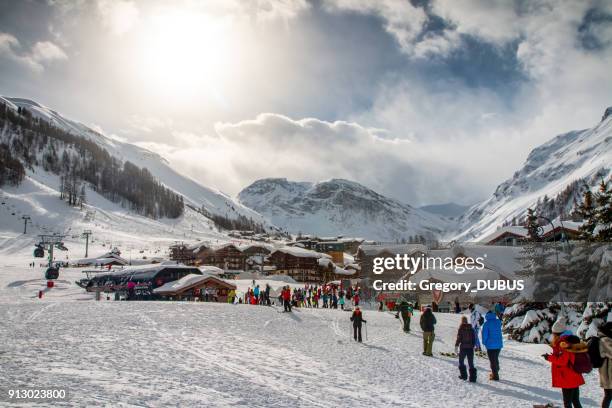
(513, 229)
(301, 252)
(211, 270)
(522, 231)
(373, 250)
(342, 271)
(189, 281)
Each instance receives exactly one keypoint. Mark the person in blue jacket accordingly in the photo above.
(493, 341)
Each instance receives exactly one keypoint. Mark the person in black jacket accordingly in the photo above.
(357, 319)
(464, 345)
(428, 322)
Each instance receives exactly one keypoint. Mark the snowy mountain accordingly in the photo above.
(37, 195)
(583, 156)
(450, 210)
(338, 207)
(213, 201)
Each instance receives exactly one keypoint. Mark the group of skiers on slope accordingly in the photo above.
(468, 334)
(310, 296)
(256, 296)
(571, 358)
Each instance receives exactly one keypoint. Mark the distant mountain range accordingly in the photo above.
(338, 207)
(550, 179)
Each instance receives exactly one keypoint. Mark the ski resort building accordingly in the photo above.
(110, 258)
(233, 257)
(196, 287)
(304, 265)
(143, 279)
(516, 235)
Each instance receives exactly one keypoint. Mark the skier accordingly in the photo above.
(405, 310)
(428, 322)
(493, 340)
(562, 359)
(286, 296)
(464, 346)
(605, 370)
(357, 319)
(267, 295)
(476, 320)
(341, 301)
(256, 294)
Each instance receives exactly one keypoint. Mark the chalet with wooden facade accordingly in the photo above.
(517, 235)
(233, 257)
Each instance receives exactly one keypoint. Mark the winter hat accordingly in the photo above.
(559, 326)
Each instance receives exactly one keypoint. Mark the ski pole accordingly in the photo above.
(366, 330)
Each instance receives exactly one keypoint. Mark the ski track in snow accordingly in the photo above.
(204, 354)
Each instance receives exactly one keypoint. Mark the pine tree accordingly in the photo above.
(594, 316)
(586, 210)
(603, 212)
(532, 226)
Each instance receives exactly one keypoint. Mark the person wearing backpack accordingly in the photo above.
(603, 361)
(568, 360)
(405, 310)
(428, 323)
(464, 347)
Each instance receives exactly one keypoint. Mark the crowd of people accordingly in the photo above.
(310, 296)
(570, 357)
(477, 335)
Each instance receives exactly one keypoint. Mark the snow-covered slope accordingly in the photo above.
(337, 207)
(215, 202)
(549, 168)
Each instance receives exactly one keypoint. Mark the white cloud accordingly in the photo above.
(119, 16)
(36, 58)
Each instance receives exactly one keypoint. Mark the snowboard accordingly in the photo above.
(549, 405)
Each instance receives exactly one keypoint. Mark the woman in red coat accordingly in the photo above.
(563, 375)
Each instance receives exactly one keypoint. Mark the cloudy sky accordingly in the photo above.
(425, 101)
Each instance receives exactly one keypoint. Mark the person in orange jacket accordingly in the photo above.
(562, 361)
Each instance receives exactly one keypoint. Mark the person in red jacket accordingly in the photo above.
(286, 295)
(563, 375)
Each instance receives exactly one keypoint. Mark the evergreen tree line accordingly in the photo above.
(241, 223)
(563, 205)
(575, 273)
(80, 162)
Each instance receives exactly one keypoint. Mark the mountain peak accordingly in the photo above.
(607, 113)
(338, 206)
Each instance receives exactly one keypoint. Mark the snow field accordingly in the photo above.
(207, 354)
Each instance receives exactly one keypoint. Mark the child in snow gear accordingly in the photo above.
(464, 345)
(605, 368)
(428, 322)
(563, 360)
(405, 310)
(493, 340)
(357, 319)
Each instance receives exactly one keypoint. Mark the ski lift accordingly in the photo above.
(39, 252)
(60, 246)
(51, 273)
